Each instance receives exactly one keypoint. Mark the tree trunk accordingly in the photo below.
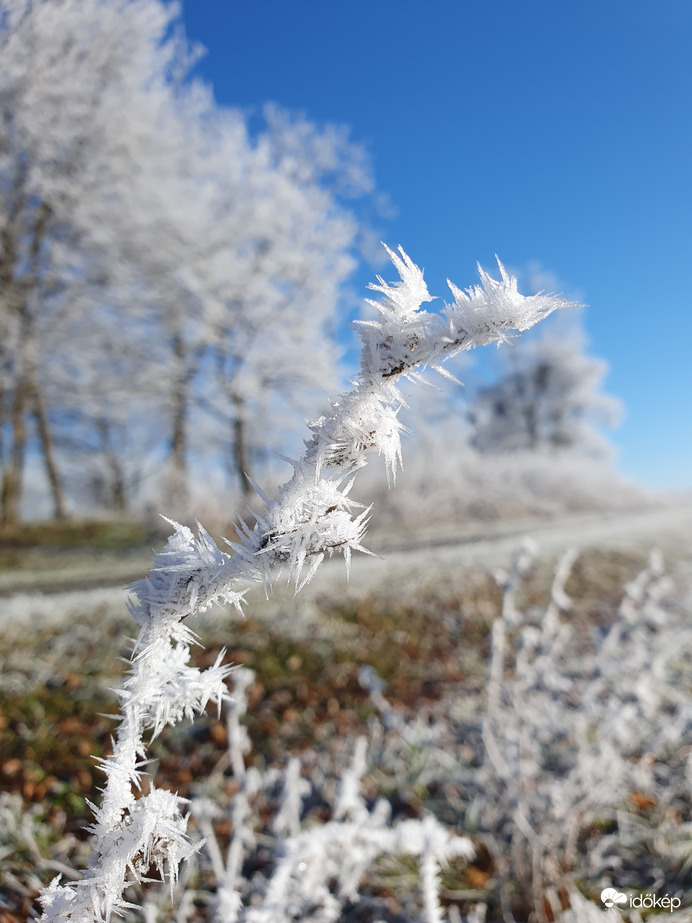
(178, 452)
(114, 495)
(25, 390)
(241, 460)
(48, 449)
(530, 416)
(176, 476)
(118, 489)
(2, 424)
(12, 481)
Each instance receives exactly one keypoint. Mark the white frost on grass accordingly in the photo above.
(43, 610)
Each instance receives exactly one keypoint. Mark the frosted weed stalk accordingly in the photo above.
(304, 870)
(576, 735)
(312, 517)
(570, 766)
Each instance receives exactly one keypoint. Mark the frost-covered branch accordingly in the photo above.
(131, 834)
(312, 517)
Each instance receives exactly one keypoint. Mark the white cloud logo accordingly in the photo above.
(612, 896)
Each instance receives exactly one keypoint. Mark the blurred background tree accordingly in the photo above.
(159, 262)
(546, 398)
(172, 274)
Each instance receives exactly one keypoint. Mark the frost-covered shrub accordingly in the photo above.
(580, 731)
(471, 487)
(571, 768)
(548, 398)
(312, 517)
(304, 869)
(28, 839)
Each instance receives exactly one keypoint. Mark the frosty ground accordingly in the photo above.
(84, 582)
(419, 616)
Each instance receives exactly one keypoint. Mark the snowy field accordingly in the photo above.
(525, 734)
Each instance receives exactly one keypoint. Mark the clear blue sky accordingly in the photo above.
(557, 131)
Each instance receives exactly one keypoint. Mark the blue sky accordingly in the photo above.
(548, 131)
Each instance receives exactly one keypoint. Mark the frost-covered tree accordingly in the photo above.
(547, 398)
(260, 248)
(70, 68)
(149, 243)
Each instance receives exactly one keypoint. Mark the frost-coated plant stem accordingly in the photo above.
(312, 517)
(315, 869)
(577, 727)
(132, 834)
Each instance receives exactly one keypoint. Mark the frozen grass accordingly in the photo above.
(50, 557)
(429, 645)
(90, 536)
